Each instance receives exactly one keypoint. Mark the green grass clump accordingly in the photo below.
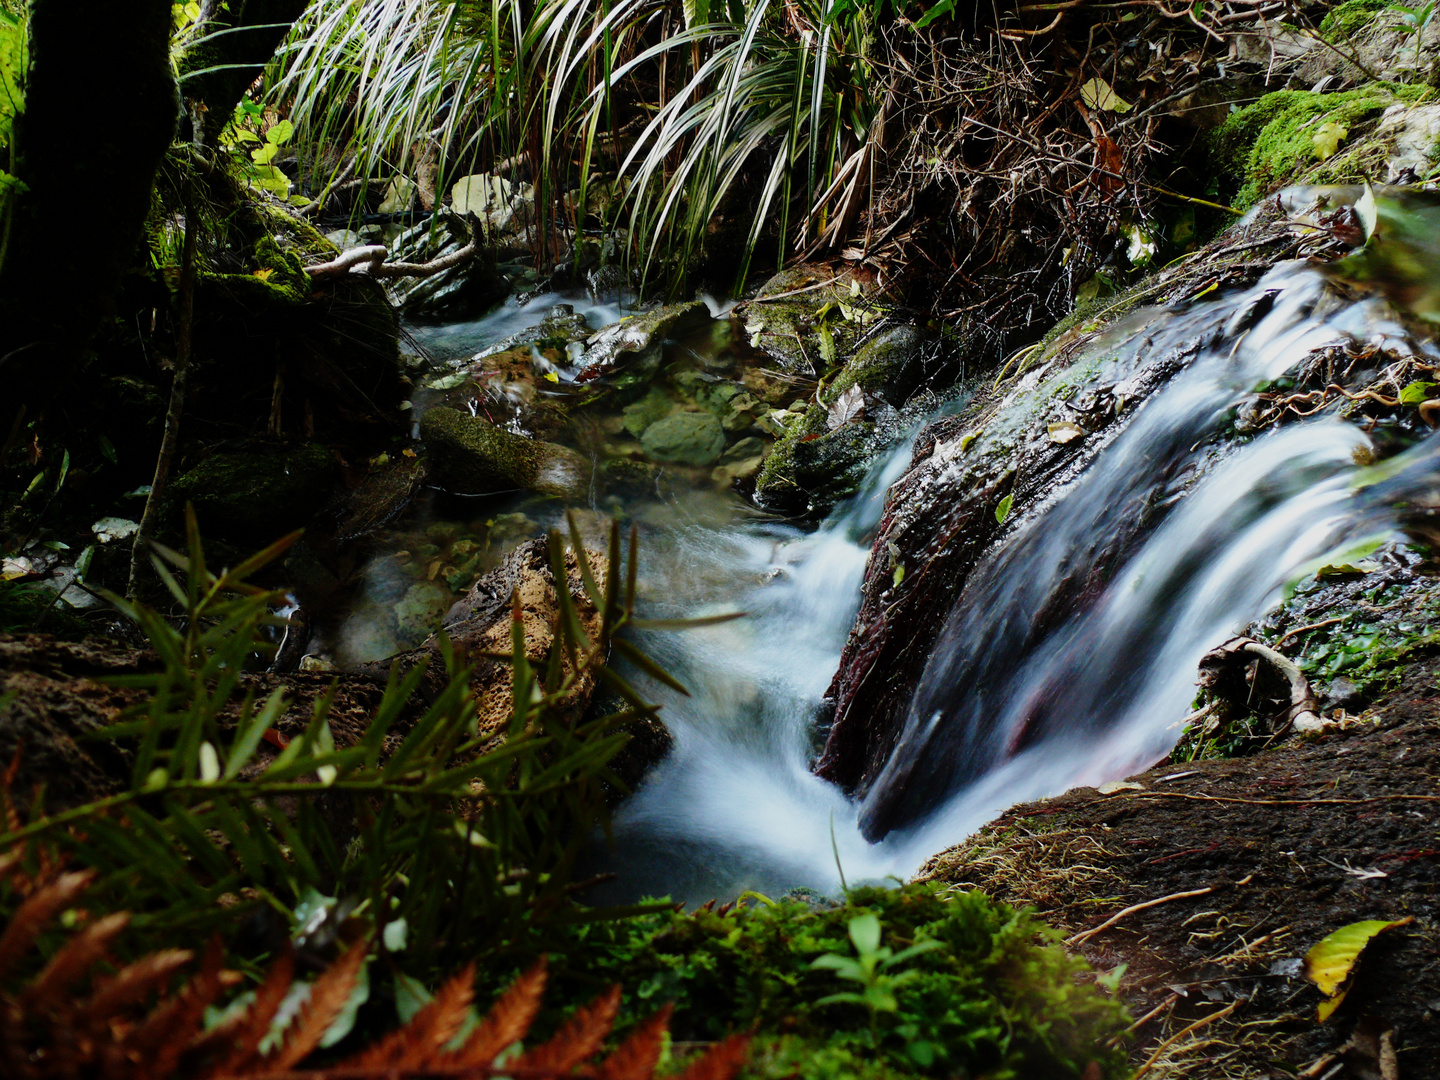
(27, 608)
(1271, 143)
(987, 993)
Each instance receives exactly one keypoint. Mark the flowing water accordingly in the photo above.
(1004, 712)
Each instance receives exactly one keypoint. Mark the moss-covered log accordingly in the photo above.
(87, 158)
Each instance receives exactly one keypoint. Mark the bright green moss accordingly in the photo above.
(1271, 143)
(1341, 23)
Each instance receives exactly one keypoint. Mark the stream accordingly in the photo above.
(1010, 707)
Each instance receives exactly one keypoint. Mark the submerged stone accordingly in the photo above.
(686, 438)
(638, 335)
(472, 455)
(651, 409)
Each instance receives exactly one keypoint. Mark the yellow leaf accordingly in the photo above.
(1329, 1005)
(1333, 958)
(1064, 431)
(1099, 94)
(1328, 137)
(552, 376)
(264, 275)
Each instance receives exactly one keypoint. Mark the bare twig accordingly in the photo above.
(1086, 935)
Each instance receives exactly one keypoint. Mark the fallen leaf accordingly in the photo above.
(1119, 785)
(1416, 392)
(1331, 961)
(1003, 510)
(114, 528)
(1065, 431)
(847, 407)
(1099, 94)
(1328, 137)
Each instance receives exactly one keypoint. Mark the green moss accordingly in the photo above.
(811, 467)
(996, 996)
(257, 494)
(1341, 23)
(26, 608)
(286, 268)
(470, 455)
(1272, 143)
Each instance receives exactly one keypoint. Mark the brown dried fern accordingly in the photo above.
(133, 1026)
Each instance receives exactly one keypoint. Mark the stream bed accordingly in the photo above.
(1018, 700)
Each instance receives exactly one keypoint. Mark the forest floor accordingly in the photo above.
(1245, 864)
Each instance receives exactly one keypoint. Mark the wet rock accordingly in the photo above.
(459, 291)
(1343, 694)
(890, 365)
(810, 317)
(811, 468)
(471, 455)
(419, 611)
(257, 495)
(382, 494)
(649, 410)
(639, 336)
(557, 330)
(685, 438)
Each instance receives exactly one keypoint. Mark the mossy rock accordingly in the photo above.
(471, 455)
(1343, 22)
(257, 495)
(811, 468)
(685, 438)
(890, 366)
(641, 336)
(1272, 143)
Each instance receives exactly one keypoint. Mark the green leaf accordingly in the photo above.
(1416, 392)
(1098, 94)
(279, 134)
(1002, 511)
(1328, 137)
(865, 933)
(1333, 958)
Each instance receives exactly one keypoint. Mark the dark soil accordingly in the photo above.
(1292, 844)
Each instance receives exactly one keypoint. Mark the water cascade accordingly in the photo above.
(1012, 705)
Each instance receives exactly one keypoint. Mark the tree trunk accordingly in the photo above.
(101, 107)
(218, 72)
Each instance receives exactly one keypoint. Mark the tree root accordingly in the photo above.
(370, 259)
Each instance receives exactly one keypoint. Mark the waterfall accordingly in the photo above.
(1011, 706)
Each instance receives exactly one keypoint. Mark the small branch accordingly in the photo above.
(185, 308)
(1076, 939)
(368, 256)
(1306, 629)
(371, 260)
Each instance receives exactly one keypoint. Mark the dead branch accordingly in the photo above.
(371, 260)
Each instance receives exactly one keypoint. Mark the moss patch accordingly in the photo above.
(1342, 22)
(1272, 143)
(256, 494)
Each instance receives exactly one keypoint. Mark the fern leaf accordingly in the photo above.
(37, 912)
(507, 1022)
(251, 1027)
(579, 1038)
(132, 984)
(721, 1062)
(640, 1053)
(163, 1036)
(421, 1041)
(327, 997)
(73, 962)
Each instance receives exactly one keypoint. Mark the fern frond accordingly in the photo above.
(163, 1036)
(132, 985)
(721, 1062)
(640, 1053)
(251, 1027)
(74, 961)
(327, 997)
(36, 913)
(578, 1039)
(421, 1041)
(507, 1021)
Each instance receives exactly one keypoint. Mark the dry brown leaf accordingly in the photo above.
(164, 1035)
(847, 407)
(579, 1038)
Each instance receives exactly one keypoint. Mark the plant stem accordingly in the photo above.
(185, 309)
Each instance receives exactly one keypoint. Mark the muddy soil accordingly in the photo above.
(1247, 863)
